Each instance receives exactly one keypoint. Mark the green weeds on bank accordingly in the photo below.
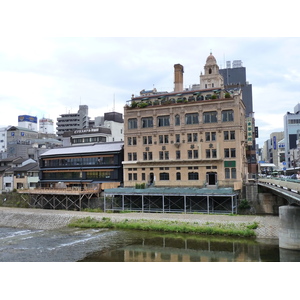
(208, 228)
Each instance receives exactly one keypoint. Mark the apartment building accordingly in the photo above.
(73, 121)
(187, 138)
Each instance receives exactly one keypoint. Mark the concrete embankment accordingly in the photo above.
(54, 219)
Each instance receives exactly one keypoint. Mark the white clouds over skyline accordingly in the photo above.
(51, 76)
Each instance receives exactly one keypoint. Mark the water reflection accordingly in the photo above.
(151, 247)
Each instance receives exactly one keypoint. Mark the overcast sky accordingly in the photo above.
(49, 76)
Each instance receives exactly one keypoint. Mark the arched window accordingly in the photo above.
(177, 120)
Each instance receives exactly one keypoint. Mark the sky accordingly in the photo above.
(47, 73)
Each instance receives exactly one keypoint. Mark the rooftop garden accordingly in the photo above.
(172, 98)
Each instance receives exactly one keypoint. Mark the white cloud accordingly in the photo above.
(49, 76)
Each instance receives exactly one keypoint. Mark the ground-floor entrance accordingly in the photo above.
(211, 178)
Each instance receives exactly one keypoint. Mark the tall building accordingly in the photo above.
(28, 122)
(3, 140)
(46, 126)
(73, 121)
(291, 133)
(235, 77)
(109, 128)
(187, 138)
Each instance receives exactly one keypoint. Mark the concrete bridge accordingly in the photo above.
(288, 189)
(289, 233)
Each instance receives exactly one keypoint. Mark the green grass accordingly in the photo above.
(209, 228)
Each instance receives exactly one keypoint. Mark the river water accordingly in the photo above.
(106, 245)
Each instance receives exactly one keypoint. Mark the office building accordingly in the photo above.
(187, 138)
(235, 78)
(291, 135)
(73, 121)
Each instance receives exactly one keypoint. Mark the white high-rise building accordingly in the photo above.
(28, 122)
(46, 126)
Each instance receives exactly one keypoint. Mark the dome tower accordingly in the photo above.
(212, 77)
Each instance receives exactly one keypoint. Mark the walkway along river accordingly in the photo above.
(53, 219)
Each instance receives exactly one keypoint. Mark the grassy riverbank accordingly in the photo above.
(208, 228)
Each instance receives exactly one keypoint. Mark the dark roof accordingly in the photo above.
(4, 168)
(26, 168)
(10, 159)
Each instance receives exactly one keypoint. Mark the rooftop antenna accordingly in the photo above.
(114, 104)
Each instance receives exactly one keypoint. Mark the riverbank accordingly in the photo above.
(268, 226)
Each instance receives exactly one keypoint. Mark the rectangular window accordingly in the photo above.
(195, 137)
(195, 154)
(210, 117)
(163, 121)
(178, 154)
(161, 139)
(189, 137)
(214, 153)
(227, 173)
(190, 154)
(213, 136)
(145, 155)
(147, 140)
(132, 123)
(193, 176)
(129, 156)
(227, 115)
(226, 152)
(166, 139)
(229, 152)
(166, 155)
(207, 152)
(163, 176)
(232, 152)
(233, 173)
(207, 136)
(232, 135)
(177, 138)
(192, 118)
(147, 122)
(161, 155)
(226, 136)
(229, 135)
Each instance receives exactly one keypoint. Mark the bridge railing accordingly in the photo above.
(288, 184)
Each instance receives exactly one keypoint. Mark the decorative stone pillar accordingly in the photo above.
(289, 232)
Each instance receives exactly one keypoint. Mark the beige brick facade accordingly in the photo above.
(191, 139)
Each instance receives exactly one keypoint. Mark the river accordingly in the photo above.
(106, 245)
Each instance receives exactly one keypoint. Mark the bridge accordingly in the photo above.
(289, 233)
(288, 189)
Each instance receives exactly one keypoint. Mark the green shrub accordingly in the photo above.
(244, 204)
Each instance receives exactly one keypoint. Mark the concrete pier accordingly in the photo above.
(289, 232)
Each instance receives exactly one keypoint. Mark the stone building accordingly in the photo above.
(187, 138)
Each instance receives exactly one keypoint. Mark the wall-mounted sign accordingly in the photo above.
(249, 131)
